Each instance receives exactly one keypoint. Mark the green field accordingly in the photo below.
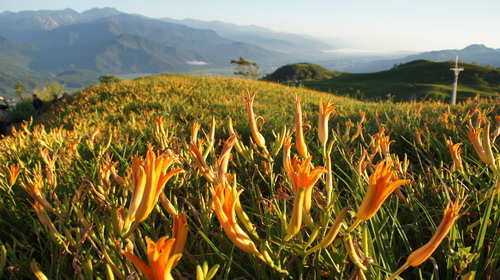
(72, 206)
(416, 80)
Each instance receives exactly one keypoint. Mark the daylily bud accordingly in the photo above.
(224, 202)
(296, 220)
(257, 137)
(351, 251)
(35, 268)
(423, 253)
(299, 133)
(332, 233)
(194, 132)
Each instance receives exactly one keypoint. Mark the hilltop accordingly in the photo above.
(420, 79)
(300, 71)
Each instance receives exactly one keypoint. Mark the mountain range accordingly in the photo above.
(291, 44)
(473, 54)
(76, 48)
(106, 41)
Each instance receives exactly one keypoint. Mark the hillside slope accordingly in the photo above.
(420, 79)
(182, 99)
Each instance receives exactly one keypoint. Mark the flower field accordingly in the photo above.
(184, 177)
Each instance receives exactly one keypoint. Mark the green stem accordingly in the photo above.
(399, 271)
(483, 228)
(354, 225)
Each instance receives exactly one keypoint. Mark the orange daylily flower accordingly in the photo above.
(106, 170)
(161, 133)
(348, 125)
(364, 162)
(202, 165)
(43, 217)
(325, 110)
(381, 184)
(34, 189)
(300, 174)
(381, 142)
(306, 178)
(299, 132)
(179, 232)
(194, 132)
(423, 253)
(257, 137)
(359, 131)
(225, 201)
(455, 155)
(482, 146)
(148, 180)
(14, 171)
(162, 258)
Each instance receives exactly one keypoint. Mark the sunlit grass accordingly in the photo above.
(81, 156)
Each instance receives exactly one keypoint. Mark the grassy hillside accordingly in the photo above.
(300, 71)
(70, 182)
(420, 79)
(182, 100)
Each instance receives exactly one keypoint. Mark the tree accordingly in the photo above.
(106, 79)
(53, 87)
(246, 68)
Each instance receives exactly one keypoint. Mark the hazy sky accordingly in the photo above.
(363, 24)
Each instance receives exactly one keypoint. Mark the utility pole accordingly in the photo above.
(455, 82)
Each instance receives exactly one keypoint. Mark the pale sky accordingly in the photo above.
(386, 25)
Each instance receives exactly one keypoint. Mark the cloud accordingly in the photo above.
(196, 62)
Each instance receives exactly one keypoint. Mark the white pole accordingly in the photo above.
(455, 82)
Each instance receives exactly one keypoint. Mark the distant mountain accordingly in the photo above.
(86, 40)
(298, 46)
(479, 54)
(107, 41)
(13, 25)
(16, 66)
(36, 46)
(13, 55)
